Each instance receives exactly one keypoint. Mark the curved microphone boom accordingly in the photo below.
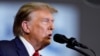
(71, 41)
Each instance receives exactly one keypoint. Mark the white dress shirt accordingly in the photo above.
(28, 46)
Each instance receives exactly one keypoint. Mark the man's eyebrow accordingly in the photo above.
(49, 19)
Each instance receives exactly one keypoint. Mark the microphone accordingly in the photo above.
(71, 42)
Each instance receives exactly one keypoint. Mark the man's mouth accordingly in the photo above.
(49, 36)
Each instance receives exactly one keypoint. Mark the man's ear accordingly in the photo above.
(25, 27)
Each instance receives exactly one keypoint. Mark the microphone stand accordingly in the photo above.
(78, 50)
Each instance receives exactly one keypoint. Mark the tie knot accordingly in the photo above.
(36, 53)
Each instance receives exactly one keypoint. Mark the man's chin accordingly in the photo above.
(47, 42)
(44, 44)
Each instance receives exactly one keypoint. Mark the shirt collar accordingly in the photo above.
(27, 45)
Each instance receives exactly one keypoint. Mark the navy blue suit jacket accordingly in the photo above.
(13, 48)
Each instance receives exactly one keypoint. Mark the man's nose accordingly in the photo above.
(51, 26)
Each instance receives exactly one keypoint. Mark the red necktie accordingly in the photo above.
(36, 53)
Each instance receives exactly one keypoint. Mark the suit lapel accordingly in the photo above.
(21, 50)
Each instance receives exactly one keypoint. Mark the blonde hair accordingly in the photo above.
(24, 11)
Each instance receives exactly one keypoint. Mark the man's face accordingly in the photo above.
(41, 26)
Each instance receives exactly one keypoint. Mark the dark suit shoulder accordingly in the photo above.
(6, 48)
(5, 43)
(14, 47)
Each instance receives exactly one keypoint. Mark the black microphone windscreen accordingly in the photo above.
(60, 38)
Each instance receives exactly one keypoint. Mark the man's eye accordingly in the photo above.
(52, 20)
(46, 20)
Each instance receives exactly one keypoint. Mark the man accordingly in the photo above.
(33, 26)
